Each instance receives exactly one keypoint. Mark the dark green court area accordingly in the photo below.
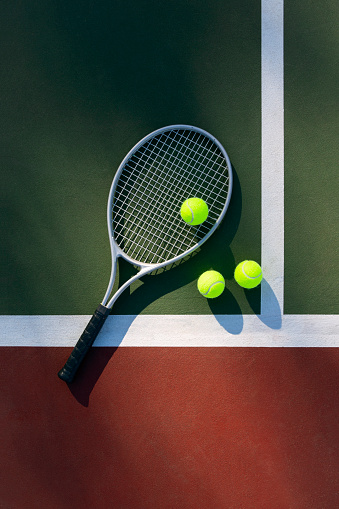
(82, 84)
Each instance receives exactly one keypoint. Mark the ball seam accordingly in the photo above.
(213, 284)
(191, 221)
(250, 277)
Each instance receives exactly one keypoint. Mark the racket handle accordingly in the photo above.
(68, 372)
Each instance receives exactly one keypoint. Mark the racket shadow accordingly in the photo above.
(216, 253)
(97, 359)
(90, 372)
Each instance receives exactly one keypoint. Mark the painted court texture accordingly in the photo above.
(184, 403)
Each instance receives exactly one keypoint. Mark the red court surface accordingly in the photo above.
(190, 428)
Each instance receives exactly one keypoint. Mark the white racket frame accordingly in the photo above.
(117, 252)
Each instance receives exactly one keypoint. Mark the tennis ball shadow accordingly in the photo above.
(253, 297)
(227, 312)
(272, 317)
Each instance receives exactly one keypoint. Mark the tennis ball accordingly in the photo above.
(194, 211)
(248, 274)
(211, 284)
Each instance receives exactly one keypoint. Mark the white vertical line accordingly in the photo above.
(272, 170)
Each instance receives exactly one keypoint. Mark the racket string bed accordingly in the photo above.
(146, 221)
(142, 163)
(158, 178)
(176, 199)
(139, 163)
(180, 167)
(156, 228)
(169, 176)
(189, 183)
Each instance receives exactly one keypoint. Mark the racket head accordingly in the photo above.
(157, 175)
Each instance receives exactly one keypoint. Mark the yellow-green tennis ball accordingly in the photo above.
(248, 274)
(211, 284)
(194, 211)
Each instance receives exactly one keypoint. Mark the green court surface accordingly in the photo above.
(82, 84)
(311, 157)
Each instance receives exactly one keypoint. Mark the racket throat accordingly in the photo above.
(142, 272)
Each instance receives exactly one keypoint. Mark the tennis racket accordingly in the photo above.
(143, 212)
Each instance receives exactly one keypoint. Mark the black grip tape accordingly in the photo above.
(68, 372)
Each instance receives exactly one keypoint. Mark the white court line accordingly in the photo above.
(174, 331)
(271, 328)
(272, 154)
